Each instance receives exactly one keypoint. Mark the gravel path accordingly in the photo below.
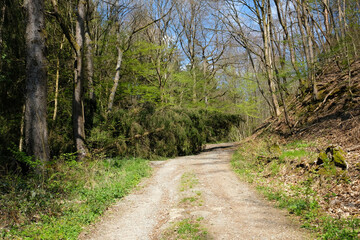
(230, 209)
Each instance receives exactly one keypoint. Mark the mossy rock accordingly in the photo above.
(322, 158)
(339, 159)
(337, 156)
(327, 171)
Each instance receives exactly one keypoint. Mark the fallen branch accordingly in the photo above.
(325, 99)
(137, 136)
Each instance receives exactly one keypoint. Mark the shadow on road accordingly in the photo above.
(214, 147)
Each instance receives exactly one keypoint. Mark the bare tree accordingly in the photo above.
(263, 11)
(282, 19)
(159, 34)
(190, 13)
(246, 39)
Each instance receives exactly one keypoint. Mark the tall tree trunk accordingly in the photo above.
(22, 126)
(2, 19)
(328, 26)
(289, 41)
(205, 64)
(116, 79)
(90, 64)
(305, 40)
(90, 78)
(77, 44)
(341, 17)
(36, 134)
(57, 77)
(257, 79)
(310, 44)
(267, 56)
(160, 76)
(78, 104)
(281, 53)
(193, 74)
(344, 42)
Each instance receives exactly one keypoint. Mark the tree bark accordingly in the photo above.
(22, 126)
(90, 78)
(36, 134)
(266, 19)
(78, 104)
(2, 19)
(193, 75)
(116, 80)
(328, 26)
(90, 63)
(57, 77)
(77, 44)
(89, 67)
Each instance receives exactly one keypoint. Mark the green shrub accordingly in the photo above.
(164, 132)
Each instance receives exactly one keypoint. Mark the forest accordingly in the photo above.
(124, 77)
(83, 80)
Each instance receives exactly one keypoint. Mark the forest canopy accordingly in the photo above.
(159, 77)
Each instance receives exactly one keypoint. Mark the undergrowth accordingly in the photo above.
(70, 196)
(283, 175)
(150, 132)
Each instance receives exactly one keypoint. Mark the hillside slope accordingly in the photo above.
(297, 159)
(334, 116)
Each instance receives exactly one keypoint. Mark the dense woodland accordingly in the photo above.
(83, 80)
(159, 78)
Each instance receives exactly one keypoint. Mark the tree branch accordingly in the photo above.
(64, 27)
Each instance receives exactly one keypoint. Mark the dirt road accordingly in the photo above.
(202, 187)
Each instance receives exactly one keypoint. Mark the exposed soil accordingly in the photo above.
(230, 209)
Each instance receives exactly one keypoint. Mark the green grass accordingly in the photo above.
(341, 229)
(189, 199)
(299, 206)
(69, 199)
(298, 197)
(188, 181)
(294, 154)
(188, 228)
(300, 144)
(191, 196)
